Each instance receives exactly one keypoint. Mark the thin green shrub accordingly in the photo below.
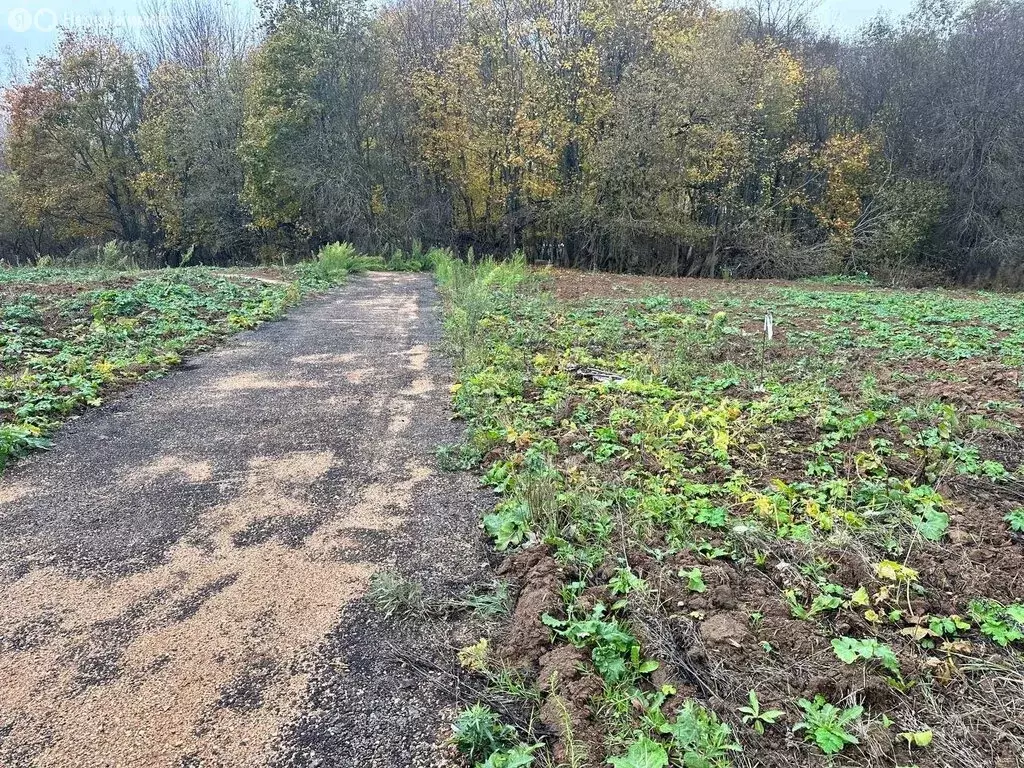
(113, 256)
(417, 260)
(470, 288)
(334, 263)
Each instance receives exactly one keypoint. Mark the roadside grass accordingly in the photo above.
(336, 261)
(743, 551)
(332, 264)
(394, 595)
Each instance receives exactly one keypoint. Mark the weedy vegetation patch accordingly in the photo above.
(68, 337)
(744, 541)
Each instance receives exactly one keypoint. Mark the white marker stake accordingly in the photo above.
(766, 337)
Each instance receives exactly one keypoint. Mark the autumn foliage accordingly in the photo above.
(661, 136)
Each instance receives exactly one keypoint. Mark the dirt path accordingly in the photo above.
(181, 576)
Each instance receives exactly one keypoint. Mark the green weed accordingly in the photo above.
(1003, 624)
(757, 717)
(60, 353)
(395, 595)
(825, 725)
(615, 651)
(642, 430)
(479, 733)
(1015, 520)
(699, 738)
(849, 650)
(332, 264)
(490, 603)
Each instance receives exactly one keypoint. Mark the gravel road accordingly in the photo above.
(183, 576)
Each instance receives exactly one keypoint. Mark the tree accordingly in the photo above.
(307, 133)
(667, 136)
(192, 176)
(71, 142)
(699, 153)
(941, 89)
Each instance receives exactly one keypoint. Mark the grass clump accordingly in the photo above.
(486, 742)
(395, 595)
(492, 602)
(472, 289)
(416, 260)
(333, 263)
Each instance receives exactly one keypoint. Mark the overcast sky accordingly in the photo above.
(849, 14)
(28, 27)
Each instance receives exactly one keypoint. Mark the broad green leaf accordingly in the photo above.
(831, 741)
(694, 579)
(846, 648)
(933, 524)
(643, 753)
(517, 757)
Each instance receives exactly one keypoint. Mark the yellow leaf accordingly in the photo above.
(918, 633)
(474, 656)
(917, 738)
(893, 571)
(860, 597)
(721, 440)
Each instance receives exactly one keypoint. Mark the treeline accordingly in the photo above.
(660, 136)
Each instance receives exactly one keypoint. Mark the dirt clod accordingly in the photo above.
(725, 629)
